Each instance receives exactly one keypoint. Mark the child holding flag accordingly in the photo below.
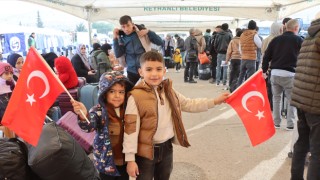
(153, 120)
(107, 119)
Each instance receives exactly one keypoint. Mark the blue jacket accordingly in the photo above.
(131, 47)
(99, 120)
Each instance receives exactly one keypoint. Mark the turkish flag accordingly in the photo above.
(36, 90)
(251, 103)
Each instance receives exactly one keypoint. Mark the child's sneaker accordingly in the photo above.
(277, 126)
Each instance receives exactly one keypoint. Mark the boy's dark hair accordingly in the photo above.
(125, 19)
(225, 26)
(239, 32)
(208, 30)
(285, 20)
(151, 56)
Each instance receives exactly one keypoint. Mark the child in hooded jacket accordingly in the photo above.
(107, 118)
(177, 58)
(153, 120)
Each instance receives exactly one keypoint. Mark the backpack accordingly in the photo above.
(13, 160)
(93, 61)
(192, 54)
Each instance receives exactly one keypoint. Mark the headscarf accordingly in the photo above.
(83, 57)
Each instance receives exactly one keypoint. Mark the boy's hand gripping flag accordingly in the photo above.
(36, 90)
(251, 103)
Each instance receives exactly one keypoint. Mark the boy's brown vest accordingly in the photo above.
(146, 101)
(248, 48)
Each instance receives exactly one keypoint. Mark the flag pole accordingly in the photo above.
(55, 76)
(245, 82)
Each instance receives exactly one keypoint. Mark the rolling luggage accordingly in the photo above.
(13, 160)
(169, 63)
(69, 122)
(204, 71)
(64, 99)
(88, 95)
(59, 156)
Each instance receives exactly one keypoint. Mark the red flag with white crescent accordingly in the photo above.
(250, 101)
(36, 90)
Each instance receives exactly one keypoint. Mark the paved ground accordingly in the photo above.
(220, 148)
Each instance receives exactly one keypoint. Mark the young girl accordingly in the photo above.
(16, 61)
(7, 85)
(107, 119)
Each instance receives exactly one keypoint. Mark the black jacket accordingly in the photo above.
(222, 41)
(282, 51)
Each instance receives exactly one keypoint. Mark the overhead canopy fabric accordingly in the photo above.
(179, 14)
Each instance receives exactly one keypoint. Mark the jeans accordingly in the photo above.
(309, 133)
(220, 58)
(247, 67)
(278, 85)
(123, 172)
(183, 55)
(234, 73)
(178, 66)
(189, 70)
(160, 167)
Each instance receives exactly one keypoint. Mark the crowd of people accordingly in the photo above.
(139, 115)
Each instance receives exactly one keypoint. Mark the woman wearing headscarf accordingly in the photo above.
(81, 65)
(16, 61)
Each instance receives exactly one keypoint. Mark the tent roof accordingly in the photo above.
(179, 14)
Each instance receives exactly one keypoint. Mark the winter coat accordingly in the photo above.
(97, 57)
(131, 46)
(306, 84)
(66, 72)
(222, 41)
(107, 147)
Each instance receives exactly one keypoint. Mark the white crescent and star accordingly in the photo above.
(43, 77)
(251, 94)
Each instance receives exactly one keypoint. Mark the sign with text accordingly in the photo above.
(183, 8)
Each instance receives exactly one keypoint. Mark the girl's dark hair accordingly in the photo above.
(125, 19)
(151, 56)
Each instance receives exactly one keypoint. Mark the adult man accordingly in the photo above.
(132, 41)
(191, 47)
(305, 96)
(180, 45)
(249, 42)
(221, 43)
(283, 52)
(213, 54)
(31, 41)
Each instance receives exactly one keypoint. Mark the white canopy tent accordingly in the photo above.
(178, 15)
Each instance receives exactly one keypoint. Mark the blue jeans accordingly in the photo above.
(160, 167)
(309, 133)
(247, 67)
(183, 55)
(220, 58)
(278, 85)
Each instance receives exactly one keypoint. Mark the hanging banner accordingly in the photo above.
(14, 42)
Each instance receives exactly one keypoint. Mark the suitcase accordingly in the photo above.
(13, 160)
(64, 99)
(169, 63)
(88, 95)
(204, 71)
(69, 122)
(59, 156)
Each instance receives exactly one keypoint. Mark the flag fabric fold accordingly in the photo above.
(36, 90)
(251, 103)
